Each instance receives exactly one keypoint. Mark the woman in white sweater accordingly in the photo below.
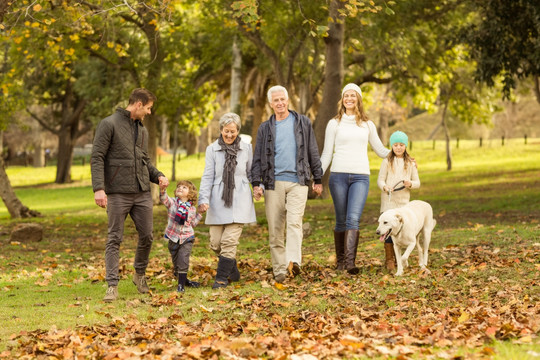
(345, 146)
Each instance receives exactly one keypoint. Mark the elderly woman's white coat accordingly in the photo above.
(211, 188)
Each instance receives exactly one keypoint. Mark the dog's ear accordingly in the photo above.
(400, 219)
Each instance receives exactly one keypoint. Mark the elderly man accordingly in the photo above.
(286, 156)
(121, 176)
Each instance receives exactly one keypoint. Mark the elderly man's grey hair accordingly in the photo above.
(228, 118)
(275, 89)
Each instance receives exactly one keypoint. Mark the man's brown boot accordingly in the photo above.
(112, 294)
(140, 281)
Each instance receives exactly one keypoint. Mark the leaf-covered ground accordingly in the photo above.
(481, 290)
(480, 301)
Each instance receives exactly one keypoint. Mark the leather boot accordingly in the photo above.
(235, 273)
(224, 269)
(339, 242)
(390, 256)
(182, 278)
(351, 247)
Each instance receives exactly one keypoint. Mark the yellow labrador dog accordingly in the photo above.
(405, 224)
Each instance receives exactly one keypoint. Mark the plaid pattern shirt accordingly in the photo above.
(175, 232)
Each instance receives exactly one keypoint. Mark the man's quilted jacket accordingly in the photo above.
(120, 162)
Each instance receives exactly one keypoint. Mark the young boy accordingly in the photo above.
(183, 217)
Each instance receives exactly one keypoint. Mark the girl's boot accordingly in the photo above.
(390, 256)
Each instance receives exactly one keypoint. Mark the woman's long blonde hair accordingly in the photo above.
(359, 111)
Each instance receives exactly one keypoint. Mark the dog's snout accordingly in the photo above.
(378, 232)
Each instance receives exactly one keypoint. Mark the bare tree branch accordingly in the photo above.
(256, 39)
(41, 122)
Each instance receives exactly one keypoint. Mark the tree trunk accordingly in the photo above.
(259, 102)
(448, 147)
(536, 88)
(165, 134)
(305, 97)
(38, 155)
(151, 82)
(383, 126)
(191, 143)
(68, 134)
(236, 77)
(68, 131)
(383, 118)
(446, 134)
(4, 5)
(175, 143)
(65, 157)
(14, 206)
(333, 78)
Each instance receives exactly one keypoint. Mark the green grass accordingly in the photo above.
(483, 258)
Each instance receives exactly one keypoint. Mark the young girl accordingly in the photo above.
(397, 176)
(183, 217)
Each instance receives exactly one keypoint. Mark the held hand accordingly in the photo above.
(163, 183)
(202, 208)
(407, 184)
(317, 188)
(257, 192)
(101, 198)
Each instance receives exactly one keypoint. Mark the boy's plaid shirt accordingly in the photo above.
(174, 231)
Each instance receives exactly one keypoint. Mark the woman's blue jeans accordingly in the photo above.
(349, 193)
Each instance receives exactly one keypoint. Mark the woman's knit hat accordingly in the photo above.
(399, 137)
(351, 86)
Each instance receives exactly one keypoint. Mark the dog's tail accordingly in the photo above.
(433, 223)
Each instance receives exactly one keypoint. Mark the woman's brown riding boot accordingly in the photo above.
(339, 242)
(351, 247)
(390, 256)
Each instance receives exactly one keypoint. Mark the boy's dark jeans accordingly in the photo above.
(180, 254)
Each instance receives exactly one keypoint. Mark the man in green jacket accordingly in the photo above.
(121, 176)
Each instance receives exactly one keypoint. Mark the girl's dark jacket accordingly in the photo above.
(120, 162)
(308, 162)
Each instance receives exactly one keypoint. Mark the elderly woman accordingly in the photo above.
(226, 194)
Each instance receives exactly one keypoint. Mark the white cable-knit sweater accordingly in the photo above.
(345, 146)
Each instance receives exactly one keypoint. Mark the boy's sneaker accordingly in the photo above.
(140, 281)
(112, 294)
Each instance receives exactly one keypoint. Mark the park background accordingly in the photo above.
(460, 77)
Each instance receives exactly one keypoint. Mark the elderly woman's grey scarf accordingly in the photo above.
(229, 169)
